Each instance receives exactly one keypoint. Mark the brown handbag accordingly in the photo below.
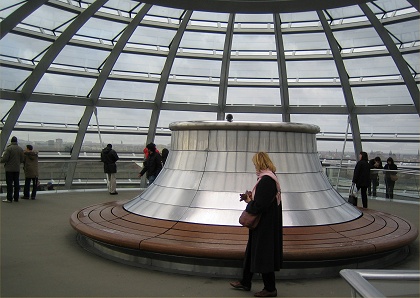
(249, 220)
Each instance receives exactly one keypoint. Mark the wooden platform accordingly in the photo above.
(373, 233)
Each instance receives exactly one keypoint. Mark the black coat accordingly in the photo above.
(265, 241)
(109, 158)
(361, 175)
(152, 165)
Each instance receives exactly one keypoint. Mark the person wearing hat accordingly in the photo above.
(152, 164)
(12, 158)
(109, 157)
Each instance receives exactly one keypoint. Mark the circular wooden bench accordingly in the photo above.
(374, 235)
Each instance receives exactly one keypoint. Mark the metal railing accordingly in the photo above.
(89, 174)
(358, 281)
(407, 186)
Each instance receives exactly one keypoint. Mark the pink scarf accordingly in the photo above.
(262, 173)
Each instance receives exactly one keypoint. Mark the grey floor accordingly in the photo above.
(41, 258)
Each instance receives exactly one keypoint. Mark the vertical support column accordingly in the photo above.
(345, 83)
(97, 90)
(281, 62)
(160, 93)
(224, 72)
(395, 54)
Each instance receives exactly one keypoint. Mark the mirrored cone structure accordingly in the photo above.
(211, 164)
(187, 220)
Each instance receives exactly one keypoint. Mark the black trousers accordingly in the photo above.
(12, 181)
(363, 192)
(28, 186)
(269, 278)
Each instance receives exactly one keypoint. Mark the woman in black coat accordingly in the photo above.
(389, 182)
(264, 252)
(361, 176)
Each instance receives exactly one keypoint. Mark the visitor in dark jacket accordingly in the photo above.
(109, 157)
(375, 165)
(152, 164)
(12, 158)
(30, 166)
(390, 177)
(361, 176)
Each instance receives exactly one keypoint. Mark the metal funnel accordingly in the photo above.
(210, 163)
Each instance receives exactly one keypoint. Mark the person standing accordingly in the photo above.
(390, 177)
(375, 165)
(264, 252)
(12, 158)
(165, 153)
(361, 176)
(30, 166)
(152, 164)
(109, 157)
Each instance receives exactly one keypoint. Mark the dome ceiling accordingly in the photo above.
(255, 6)
(127, 69)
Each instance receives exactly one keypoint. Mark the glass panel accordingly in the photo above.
(46, 142)
(138, 64)
(196, 67)
(371, 67)
(167, 117)
(359, 39)
(120, 118)
(253, 96)
(5, 106)
(123, 144)
(299, 18)
(311, 69)
(256, 117)
(17, 46)
(165, 12)
(153, 37)
(101, 29)
(254, 69)
(51, 114)
(202, 40)
(381, 95)
(389, 5)
(392, 125)
(311, 43)
(334, 150)
(12, 78)
(405, 32)
(129, 90)
(260, 43)
(198, 94)
(400, 151)
(348, 14)
(82, 57)
(316, 96)
(48, 17)
(329, 124)
(253, 18)
(205, 16)
(63, 84)
(162, 142)
(413, 61)
(8, 6)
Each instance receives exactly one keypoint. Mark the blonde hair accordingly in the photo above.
(262, 161)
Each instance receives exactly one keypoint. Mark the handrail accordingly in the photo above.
(357, 279)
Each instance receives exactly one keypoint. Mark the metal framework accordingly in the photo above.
(15, 24)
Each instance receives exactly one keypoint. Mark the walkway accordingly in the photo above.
(40, 257)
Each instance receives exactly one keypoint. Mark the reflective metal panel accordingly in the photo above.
(210, 163)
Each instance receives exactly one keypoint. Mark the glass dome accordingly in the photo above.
(79, 74)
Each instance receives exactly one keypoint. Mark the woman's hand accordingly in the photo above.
(247, 196)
